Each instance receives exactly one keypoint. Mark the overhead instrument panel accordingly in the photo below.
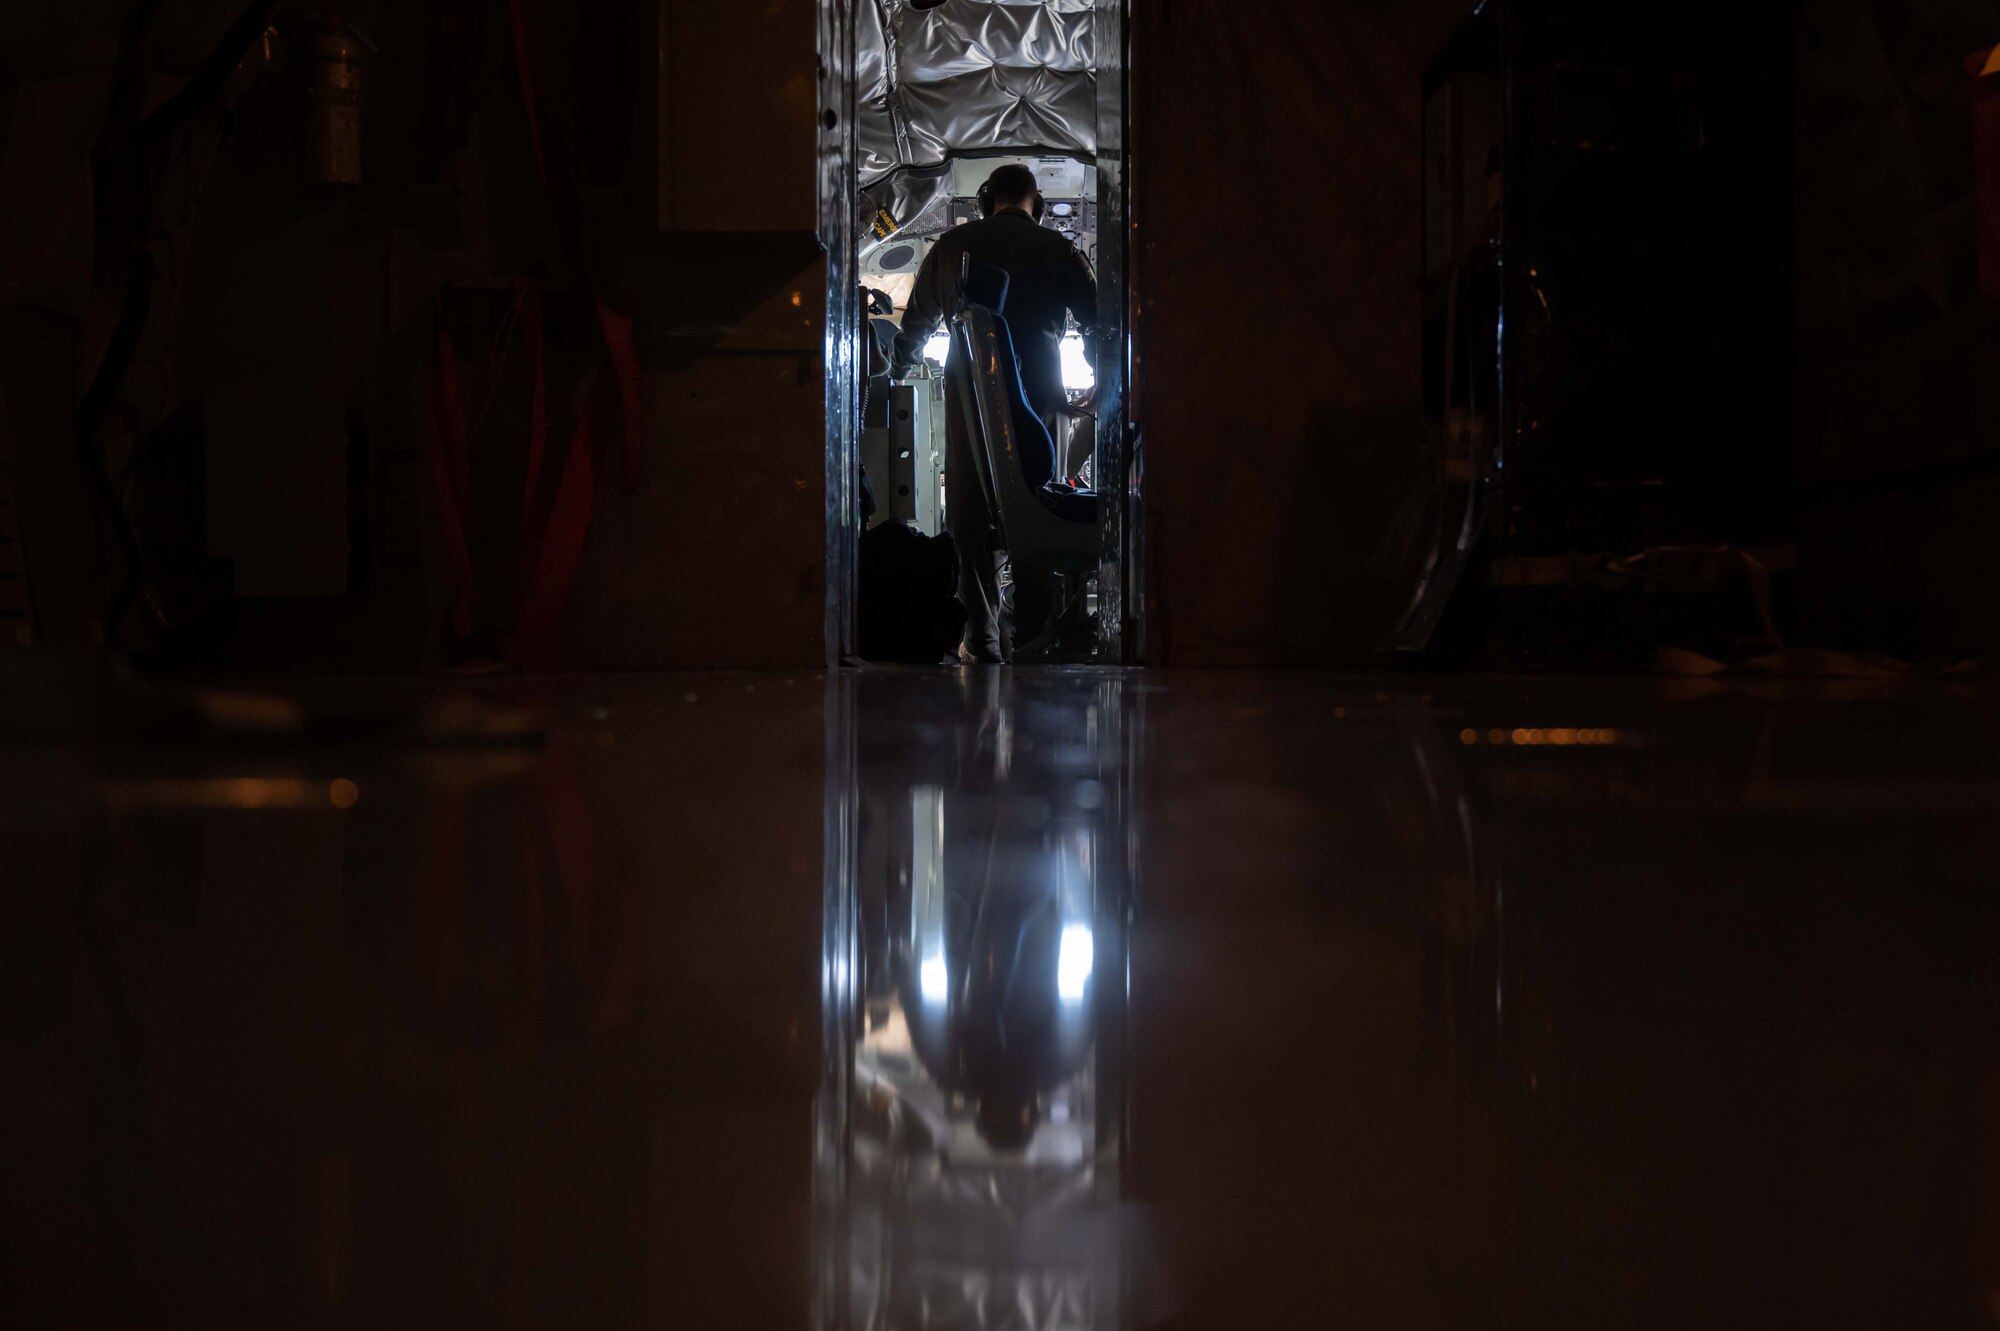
(893, 246)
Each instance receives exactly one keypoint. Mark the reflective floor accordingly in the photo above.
(1054, 999)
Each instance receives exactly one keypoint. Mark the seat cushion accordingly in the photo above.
(1067, 504)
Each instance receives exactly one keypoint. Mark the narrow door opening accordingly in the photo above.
(923, 104)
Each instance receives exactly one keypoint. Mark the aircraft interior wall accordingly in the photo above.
(292, 309)
(1278, 226)
(1277, 183)
(1282, 321)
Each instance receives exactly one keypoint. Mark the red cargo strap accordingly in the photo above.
(534, 510)
(561, 545)
(552, 156)
(451, 468)
(600, 935)
(555, 520)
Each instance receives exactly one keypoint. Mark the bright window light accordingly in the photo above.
(1078, 377)
(933, 979)
(1074, 961)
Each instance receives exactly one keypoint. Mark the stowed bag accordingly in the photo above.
(909, 610)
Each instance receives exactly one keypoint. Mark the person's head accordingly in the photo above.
(1013, 187)
(1008, 1122)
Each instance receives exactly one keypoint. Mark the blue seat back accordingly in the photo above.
(988, 286)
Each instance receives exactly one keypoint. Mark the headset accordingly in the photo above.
(986, 205)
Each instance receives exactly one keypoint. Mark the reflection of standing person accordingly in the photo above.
(1048, 282)
(992, 1021)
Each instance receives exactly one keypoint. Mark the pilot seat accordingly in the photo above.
(1040, 523)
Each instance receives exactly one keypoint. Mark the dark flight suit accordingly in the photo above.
(1047, 280)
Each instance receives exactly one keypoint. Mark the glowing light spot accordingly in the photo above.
(1468, 737)
(343, 793)
(1521, 736)
(1074, 962)
(1077, 375)
(933, 979)
(798, 299)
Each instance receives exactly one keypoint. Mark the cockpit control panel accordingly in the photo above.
(895, 246)
(1074, 218)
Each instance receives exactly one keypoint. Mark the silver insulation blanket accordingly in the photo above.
(973, 76)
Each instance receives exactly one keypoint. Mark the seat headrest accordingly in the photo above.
(986, 285)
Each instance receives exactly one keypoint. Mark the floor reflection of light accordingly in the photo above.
(934, 980)
(1073, 963)
(244, 792)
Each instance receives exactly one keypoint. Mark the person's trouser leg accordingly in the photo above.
(986, 635)
(1082, 448)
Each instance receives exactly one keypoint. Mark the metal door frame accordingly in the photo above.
(1119, 465)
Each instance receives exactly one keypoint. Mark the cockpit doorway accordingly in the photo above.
(920, 104)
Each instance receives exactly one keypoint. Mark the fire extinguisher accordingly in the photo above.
(339, 81)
